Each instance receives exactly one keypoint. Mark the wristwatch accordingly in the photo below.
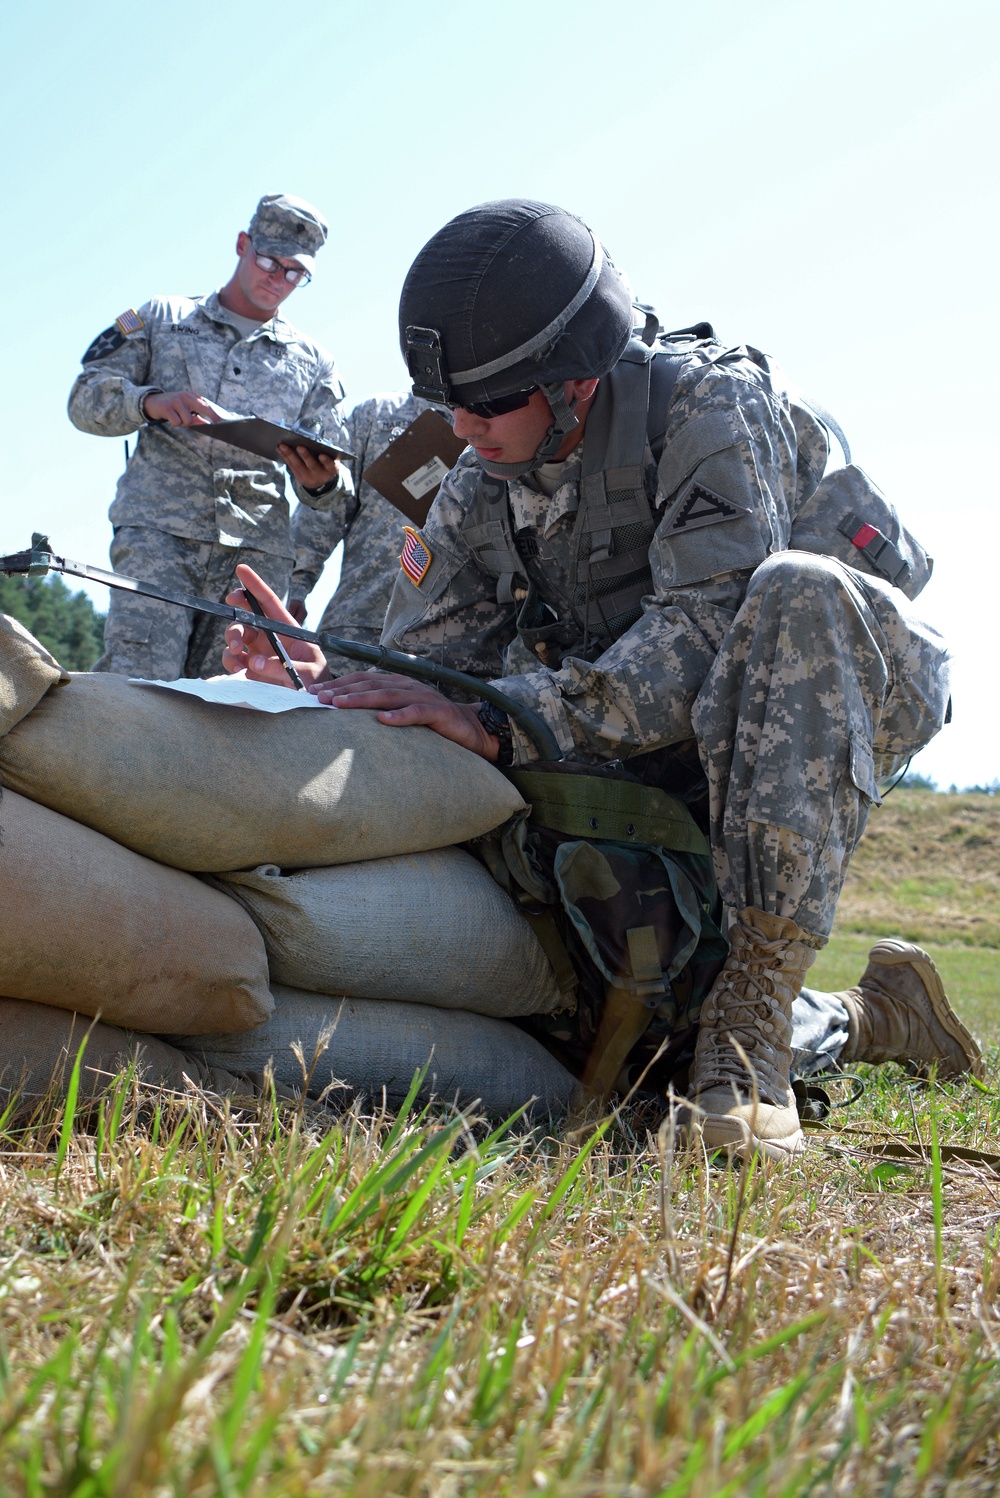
(496, 722)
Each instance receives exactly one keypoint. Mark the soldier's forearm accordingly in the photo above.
(109, 407)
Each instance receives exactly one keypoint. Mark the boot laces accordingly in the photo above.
(748, 1003)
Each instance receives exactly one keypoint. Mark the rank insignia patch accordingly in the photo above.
(416, 557)
(105, 343)
(129, 322)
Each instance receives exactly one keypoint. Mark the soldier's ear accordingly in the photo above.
(242, 241)
(580, 390)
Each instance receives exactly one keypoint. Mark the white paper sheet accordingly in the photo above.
(238, 691)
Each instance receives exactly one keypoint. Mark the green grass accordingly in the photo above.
(202, 1302)
(971, 977)
(927, 870)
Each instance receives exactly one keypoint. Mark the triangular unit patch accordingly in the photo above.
(702, 506)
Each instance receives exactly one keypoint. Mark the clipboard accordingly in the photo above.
(255, 435)
(409, 472)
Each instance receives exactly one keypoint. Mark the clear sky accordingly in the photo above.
(816, 179)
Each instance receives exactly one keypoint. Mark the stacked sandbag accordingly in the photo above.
(374, 1050)
(39, 1045)
(428, 928)
(210, 788)
(92, 927)
(27, 671)
(377, 1046)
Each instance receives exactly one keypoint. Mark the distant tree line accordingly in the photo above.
(65, 622)
(914, 782)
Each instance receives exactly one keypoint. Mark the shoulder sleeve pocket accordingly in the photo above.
(711, 527)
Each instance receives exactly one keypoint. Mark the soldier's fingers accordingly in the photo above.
(267, 598)
(446, 718)
(208, 409)
(376, 683)
(233, 660)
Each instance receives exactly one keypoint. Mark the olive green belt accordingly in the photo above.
(615, 811)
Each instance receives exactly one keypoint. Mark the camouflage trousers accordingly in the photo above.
(825, 682)
(161, 641)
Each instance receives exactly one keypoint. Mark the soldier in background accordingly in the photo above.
(370, 527)
(189, 508)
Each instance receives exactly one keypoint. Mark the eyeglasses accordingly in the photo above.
(294, 274)
(499, 407)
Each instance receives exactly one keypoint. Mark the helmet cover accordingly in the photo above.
(510, 295)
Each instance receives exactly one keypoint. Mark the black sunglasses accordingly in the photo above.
(499, 407)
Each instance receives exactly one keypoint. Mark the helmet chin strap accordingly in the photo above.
(563, 421)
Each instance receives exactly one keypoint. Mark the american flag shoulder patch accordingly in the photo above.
(129, 322)
(416, 556)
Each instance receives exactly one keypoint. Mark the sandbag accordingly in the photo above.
(39, 1044)
(210, 788)
(92, 927)
(431, 928)
(27, 670)
(377, 1046)
(375, 1050)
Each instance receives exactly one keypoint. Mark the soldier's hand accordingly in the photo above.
(311, 470)
(181, 408)
(248, 649)
(401, 701)
(297, 608)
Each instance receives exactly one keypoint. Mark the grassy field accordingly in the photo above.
(928, 870)
(198, 1299)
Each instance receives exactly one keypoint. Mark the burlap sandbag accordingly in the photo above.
(211, 788)
(375, 1049)
(87, 925)
(430, 928)
(27, 670)
(39, 1044)
(378, 1045)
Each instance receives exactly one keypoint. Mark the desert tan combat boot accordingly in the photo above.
(751, 1004)
(900, 1012)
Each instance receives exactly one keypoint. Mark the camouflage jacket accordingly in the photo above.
(193, 486)
(370, 527)
(728, 483)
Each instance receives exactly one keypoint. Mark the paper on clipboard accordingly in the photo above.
(255, 435)
(409, 472)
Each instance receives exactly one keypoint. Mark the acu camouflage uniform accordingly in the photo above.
(801, 680)
(370, 527)
(188, 507)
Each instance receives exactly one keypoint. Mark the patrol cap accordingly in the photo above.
(288, 227)
(508, 295)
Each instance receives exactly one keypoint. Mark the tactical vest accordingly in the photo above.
(842, 515)
(615, 522)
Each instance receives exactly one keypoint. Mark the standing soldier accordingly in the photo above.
(189, 507)
(370, 527)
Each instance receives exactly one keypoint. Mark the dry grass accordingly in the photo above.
(928, 869)
(199, 1302)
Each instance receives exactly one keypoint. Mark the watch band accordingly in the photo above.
(496, 722)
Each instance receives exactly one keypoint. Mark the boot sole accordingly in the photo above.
(893, 953)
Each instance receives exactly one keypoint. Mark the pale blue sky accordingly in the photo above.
(815, 179)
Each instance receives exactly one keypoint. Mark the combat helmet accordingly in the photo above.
(512, 296)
